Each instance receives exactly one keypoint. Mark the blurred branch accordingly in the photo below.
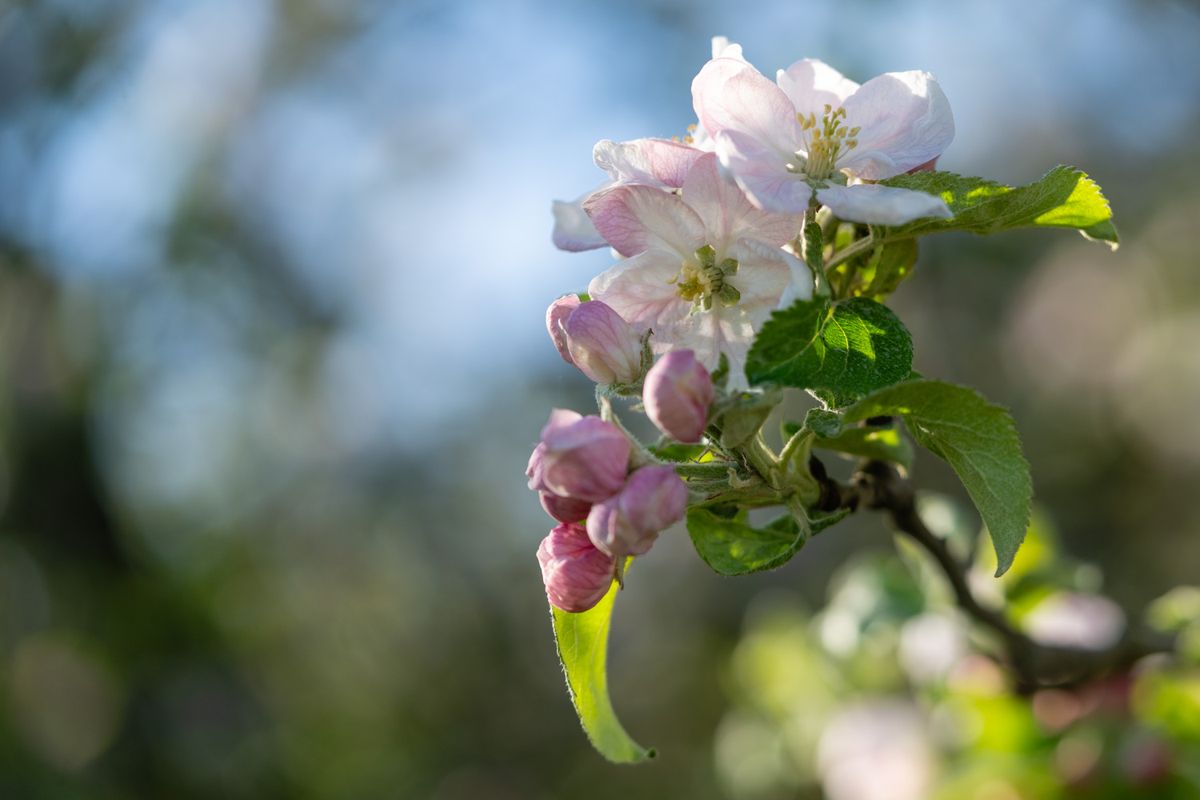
(880, 486)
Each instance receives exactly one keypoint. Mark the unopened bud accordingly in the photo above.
(602, 344)
(556, 315)
(565, 509)
(581, 457)
(677, 394)
(654, 498)
(576, 574)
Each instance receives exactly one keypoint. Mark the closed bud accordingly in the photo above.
(654, 498)
(677, 394)
(565, 509)
(580, 457)
(604, 346)
(576, 574)
(556, 315)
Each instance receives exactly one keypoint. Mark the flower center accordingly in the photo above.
(701, 279)
(824, 140)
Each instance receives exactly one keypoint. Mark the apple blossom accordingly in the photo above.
(677, 393)
(556, 314)
(576, 574)
(661, 163)
(565, 509)
(654, 498)
(580, 457)
(703, 269)
(815, 131)
(601, 344)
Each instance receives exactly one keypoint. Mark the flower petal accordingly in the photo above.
(762, 174)
(881, 205)
(726, 212)
(653, 162)
(905, 121)
(637, 218)
(811, 85)
(723, 48)
(732, 95)
(573, 229)
(769, 278)
(640, 290)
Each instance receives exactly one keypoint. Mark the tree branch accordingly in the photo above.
(880, 486)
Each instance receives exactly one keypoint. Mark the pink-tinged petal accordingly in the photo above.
(723, 48)
(727, 213)
(556, 315)
(565, 509)
(677, 394)
(811, 85)
(732, 95)
(904, 120)
(576, 574)
(637, 218)
(762, 174)
(881, 205)
(769, 278)
(573, 229)
(651, 162)
(640, 289)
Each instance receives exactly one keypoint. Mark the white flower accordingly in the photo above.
(815, 130)
(704, 267)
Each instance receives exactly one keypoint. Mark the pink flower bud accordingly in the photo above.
(654, 498)
(677, 394)
(565, 509)
(928, 166)
(576, 574)
(580, 457)
(604, 346)
(556, 315)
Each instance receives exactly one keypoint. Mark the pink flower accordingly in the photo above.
(704, 268)
(581, 457)
(604, 346)
(556, 314)
(654, 498)
(576, 574)
(565, 509)
(816, 131)
(661, 163)
(677, 393)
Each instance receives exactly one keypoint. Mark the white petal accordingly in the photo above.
(637, 218)
(652, 162)
(573, 229)
(762, 173)
(767, 273)
(727, 214)
(811, 85)
(881, 205)
(905, 121)
(732, 95)
(639, 289)
(723, 48)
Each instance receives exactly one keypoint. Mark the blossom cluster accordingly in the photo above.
(706, 231)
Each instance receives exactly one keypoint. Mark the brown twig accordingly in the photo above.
(880, 486)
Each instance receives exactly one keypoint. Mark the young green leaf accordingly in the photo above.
(732, 547)
(582, 641)
(977, 439)
(841, 352)
(1064, 197)
(883, 444)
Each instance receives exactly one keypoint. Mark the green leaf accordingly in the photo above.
(582, 641)
(744, 416)
(841, 352)
(823, 422)
(883, 444)
(977, 439)
(732, 547)
(1064, 197)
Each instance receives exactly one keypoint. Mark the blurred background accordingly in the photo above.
(272, 360)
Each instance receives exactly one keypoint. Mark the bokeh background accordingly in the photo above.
(272, 359)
